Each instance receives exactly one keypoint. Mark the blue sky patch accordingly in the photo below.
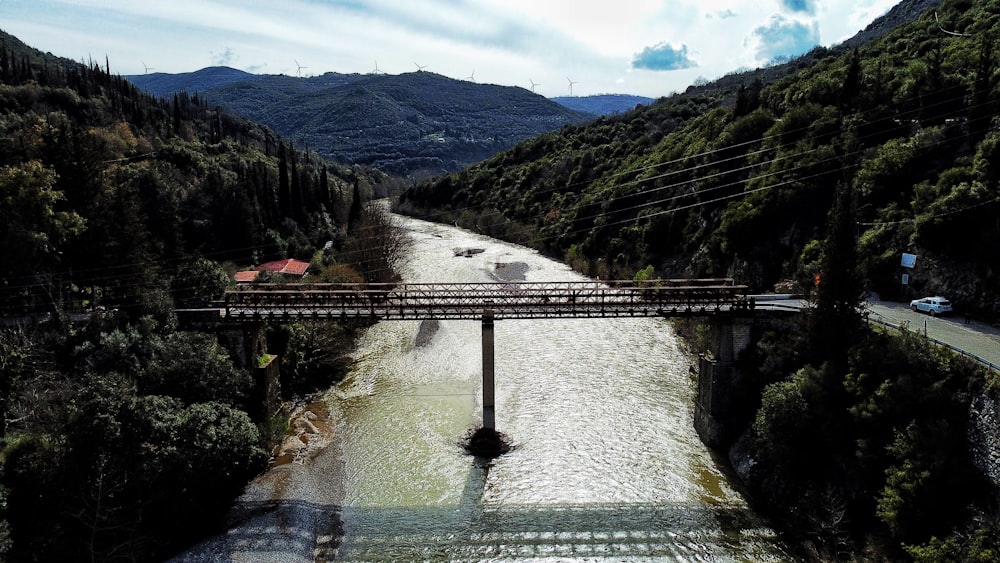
(663, 56)
(799, 6)
(783, 38)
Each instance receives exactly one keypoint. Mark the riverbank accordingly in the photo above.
(589, 476)
(292, 511)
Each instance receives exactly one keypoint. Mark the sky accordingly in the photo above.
(647, 48)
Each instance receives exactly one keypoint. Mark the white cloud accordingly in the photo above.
(783, 38)
(505, 41)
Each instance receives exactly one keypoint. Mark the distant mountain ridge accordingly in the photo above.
(603, 104)
(163, 84)
(445, 124)
(416, 124)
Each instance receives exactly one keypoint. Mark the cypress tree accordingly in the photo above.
(297, 203)
(177, 114)
(324, 188)
(837, 318)
(284, 203)
(4, 63)
(852, 81)
(354, 216)
(980, 109)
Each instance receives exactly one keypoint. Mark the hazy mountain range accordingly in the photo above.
(415, 124)
(422, 124)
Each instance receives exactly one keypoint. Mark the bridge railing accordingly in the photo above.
(469, 300)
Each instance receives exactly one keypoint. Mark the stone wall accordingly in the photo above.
(247, 345)
(719, 387)
(267, 389)
(984, 436)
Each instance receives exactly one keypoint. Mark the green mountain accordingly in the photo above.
(738, 178)
(163, 85)
(417, 124)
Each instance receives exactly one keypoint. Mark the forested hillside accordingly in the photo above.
(711, 184)
(122, 438)
(91, 163)
(417, 124)
(857, 441)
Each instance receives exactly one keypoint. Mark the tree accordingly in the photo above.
(195, 368)
(748, 98)
(284, 190)
(199, 282)
(357, 207)
(852, 80)
(982, 102)
(377, 246)
(33, 228)
(325, 198)
(837, 315)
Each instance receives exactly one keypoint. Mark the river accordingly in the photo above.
(605, 462)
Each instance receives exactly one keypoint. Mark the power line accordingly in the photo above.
(612, 187)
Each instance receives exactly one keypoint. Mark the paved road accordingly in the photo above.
(975, 338)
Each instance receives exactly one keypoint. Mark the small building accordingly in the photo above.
(289, 267)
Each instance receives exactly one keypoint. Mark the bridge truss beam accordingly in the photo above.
(507, 300)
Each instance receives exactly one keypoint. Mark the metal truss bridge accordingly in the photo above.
(503, 300)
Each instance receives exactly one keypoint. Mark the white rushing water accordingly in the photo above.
(606, 464)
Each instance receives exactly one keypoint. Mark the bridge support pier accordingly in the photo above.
(718, 381)
(489, 396)
(247, 344)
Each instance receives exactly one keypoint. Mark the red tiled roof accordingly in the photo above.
(246, 276)
(289, 266)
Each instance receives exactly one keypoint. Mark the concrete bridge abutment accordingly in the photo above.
(719, 380)
(247, 345)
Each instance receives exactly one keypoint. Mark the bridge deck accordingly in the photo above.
(507, 300)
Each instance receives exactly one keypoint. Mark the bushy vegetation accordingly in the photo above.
(120, 442)
(859, 441)
(871, 456)
(737, 180)
(122, 438)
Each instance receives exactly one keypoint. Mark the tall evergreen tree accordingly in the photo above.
(324, 189)
(837, 317)
(852, 81)
(981, 105)
(177, 114)
(357, 209)
(298, 211)
(284, 197)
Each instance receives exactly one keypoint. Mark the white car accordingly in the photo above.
(932, 305)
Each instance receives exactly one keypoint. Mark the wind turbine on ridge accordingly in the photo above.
(148, 68)
(376, 71)
(299, 71)
(419, 67)
(533, 84)
(472, 77)
(571, 83)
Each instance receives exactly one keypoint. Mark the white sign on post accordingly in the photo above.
(908, 260)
